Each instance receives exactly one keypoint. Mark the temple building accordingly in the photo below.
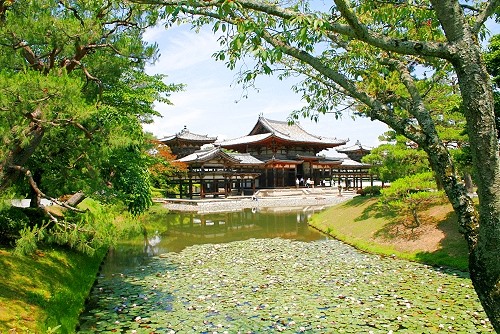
(185, 142)
(355, 152)
(214, 171)
(288, 152)
(275, 154)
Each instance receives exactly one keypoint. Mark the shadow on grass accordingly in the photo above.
(403, 227)
(39, 270)
(358, 201)
(453, 250)
(372, 210)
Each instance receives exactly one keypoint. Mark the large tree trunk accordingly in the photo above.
(484, 263)
(477, 96)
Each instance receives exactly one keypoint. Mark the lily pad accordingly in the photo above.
(278, 285)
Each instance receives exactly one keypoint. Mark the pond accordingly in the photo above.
(267, 271)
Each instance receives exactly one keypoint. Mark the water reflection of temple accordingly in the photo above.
(194, 228)
(176, 231)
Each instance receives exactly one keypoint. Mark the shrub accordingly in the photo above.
(371, 191)
(12, 221)
(409, 196)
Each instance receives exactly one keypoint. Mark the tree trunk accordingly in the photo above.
(468, 183)
(484, 263)
(477, 96)
(416, 219)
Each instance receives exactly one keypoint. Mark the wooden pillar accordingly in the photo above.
(322, 175)
(283, 176)
(190, 187)
(274, 176)
(202, 187)
(215, 185)
(242, 185)
(226, 186)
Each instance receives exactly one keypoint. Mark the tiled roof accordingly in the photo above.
(207, 154)
(266, 128)
(354, 148)
(351, 163)
(185, 134)
(245, 139)
(246, 159)
(210, 153)
(295, 132)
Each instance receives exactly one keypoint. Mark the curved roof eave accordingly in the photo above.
(255, 139)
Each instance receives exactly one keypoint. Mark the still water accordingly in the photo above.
(177, 231)
(268, 272)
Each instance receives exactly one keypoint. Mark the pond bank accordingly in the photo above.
(281, 198)
(46, 290)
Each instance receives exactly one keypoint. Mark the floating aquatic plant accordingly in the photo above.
(277, 285)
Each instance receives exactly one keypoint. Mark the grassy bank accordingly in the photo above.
(45, 291)
(361, 223)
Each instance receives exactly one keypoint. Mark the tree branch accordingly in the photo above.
(407, 47)
(485, 14)
(37, 190)
(30, 56)
(75, 12)
(58, 122)
(378, 110)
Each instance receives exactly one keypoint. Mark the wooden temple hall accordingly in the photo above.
(273, 155)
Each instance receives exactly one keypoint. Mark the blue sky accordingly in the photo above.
(212, 102)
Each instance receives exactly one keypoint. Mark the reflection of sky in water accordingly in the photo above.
(181, 230)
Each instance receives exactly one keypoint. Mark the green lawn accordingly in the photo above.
(44, 291)
(361, 223)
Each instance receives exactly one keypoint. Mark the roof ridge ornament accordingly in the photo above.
(184, 130)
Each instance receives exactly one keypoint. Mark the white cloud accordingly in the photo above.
(171, 122)
(182, 48)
